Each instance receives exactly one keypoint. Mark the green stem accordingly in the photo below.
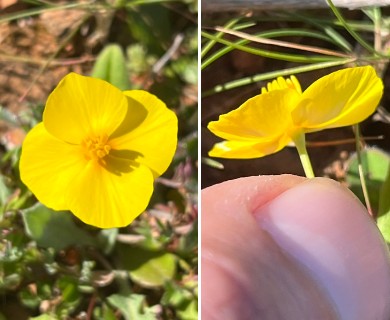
(211, 43)
(362, 176)
(300, 144)
(351, 31)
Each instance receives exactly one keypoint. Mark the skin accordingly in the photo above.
(283, 247)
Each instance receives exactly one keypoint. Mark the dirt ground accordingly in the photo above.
(35, 53)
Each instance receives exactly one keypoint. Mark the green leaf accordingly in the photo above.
(10, 282)
(33, 298)
(375, 165)
(189, 241)
(338, 38)
(44, 317)
(384, 198)
(107, 239)
(138, 59)
(29, 299)
(189, 311)
(187, 68)
(7, 116)
(383, 220)
(212, 163)
(4, 191)
(131, 307)
(68, 288)
(55, 229)
(146, 267)
(182, 299)
(151, 26)
(107, 313)
(111, 67)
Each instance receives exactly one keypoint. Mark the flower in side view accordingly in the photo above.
(282, 113)
(98, 150)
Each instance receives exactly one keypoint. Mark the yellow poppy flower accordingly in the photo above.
(98, 150)
(282, 113)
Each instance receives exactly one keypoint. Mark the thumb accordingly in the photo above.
(288, 248)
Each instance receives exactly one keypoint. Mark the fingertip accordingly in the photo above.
(329, 232)
(250, 192)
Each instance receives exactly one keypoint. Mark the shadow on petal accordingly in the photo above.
(125, 154)
(120, 162)
(136, 114)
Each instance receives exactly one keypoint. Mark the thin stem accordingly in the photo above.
(361, 170)
(352, 32)
(300, 144)
(271, 54)
(211, 43)
(281, 43)
(274, 74)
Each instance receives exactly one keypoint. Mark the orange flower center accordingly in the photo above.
(96, 147)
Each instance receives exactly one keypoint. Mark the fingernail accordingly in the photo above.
(328, 231)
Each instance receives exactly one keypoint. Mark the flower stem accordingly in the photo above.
(300, 144)
(362, 175)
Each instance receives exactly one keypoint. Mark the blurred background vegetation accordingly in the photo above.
(244, 49)
(53, 266)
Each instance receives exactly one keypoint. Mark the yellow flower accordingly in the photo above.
(282, 113)
(98, 150)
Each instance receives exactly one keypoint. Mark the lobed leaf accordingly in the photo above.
(53, 229)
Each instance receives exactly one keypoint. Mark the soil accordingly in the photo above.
(35, 53)
(34, 57)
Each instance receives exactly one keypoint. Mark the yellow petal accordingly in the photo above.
(266, 115)
(149, 129)
(48, 166)
(339, 99)
(249, 149)
(112, 195)
(282, 83)
(82, 106)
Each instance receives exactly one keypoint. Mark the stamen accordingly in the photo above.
(96, 147)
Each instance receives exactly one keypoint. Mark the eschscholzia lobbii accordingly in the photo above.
(282, 113)
(98, 150)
